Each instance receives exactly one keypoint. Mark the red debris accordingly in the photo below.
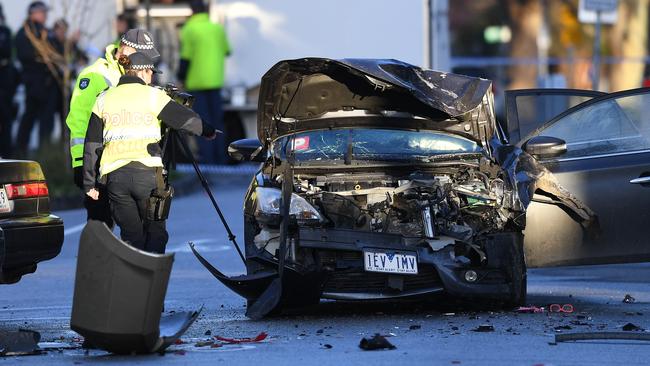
(260, 337)
(178, 341)
(530, 309)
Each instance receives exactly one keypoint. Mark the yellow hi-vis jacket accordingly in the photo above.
(92, 80)
(125, 127)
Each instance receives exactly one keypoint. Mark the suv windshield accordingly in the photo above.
(373, 145)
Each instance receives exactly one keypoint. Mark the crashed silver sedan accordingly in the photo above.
(401, 184)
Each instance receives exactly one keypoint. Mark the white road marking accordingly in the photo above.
(38, 308)
(13, 320)
(73, 230)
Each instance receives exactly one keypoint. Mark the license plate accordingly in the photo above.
(390, 262)
(4, 201)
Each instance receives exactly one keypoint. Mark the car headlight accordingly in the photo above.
(268, 204)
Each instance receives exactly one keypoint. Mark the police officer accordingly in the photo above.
(125, 128)
(92, 80)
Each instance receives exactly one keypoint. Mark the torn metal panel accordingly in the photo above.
(530, 178)
(119, 294)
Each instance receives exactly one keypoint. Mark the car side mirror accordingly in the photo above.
(545, 147)
(247, 150)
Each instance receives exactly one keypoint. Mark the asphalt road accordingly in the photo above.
(330, 332)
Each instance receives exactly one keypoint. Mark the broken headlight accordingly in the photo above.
(268, 207)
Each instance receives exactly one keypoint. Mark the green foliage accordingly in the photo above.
(55, 162)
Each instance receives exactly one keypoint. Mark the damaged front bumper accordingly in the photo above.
(335, 269)
(438, 270)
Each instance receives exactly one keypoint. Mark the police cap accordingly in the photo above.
(142, 41)
(140, 61)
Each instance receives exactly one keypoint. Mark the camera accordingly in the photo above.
(179, 96)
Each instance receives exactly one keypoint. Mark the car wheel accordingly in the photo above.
(517, 273)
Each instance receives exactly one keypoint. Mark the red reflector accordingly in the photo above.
(27, 190)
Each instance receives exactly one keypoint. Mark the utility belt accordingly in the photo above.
(160, 201)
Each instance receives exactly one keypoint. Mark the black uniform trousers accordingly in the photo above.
(100, 209)
(129, 189)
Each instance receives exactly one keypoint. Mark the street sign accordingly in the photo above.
(600, 5)
(588, 11)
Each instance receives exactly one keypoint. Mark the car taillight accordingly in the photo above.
(26, 190)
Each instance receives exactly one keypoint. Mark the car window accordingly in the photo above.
(374, 144)
(611, 125)
(536, 109)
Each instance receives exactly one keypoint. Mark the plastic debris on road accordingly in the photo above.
(376, 342)
(20, 343)
(629, 327)
(484, 328)
(258, 338)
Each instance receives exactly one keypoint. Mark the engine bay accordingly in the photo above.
(435, 208)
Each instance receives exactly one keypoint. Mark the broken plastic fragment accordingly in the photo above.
(258, 338)
(628, 299)
(484, 328)
(109, 271)
(376, 342)
(629, 327)
(20, 343)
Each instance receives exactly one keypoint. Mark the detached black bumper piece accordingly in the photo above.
(26, 241)
(119, 294)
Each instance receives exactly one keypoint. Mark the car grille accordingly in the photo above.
(354, 279)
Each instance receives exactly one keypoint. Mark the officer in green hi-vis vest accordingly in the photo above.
(102, 74)
(125, 125)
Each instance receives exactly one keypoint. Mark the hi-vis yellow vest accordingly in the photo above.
(92, 80)
(130, 116)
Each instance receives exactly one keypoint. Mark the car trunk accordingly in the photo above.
(22, 184)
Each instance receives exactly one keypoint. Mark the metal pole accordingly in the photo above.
(147, 5)
(596, 61)
(426, 33)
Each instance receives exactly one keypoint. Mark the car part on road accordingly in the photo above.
(258, 338)
(629, 327)
(530, 309)
(628, 299)
(376, 342)
(19, 343)
(557, 308)
(119, 294)
(589, 336)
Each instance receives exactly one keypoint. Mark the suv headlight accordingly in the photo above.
(268, 204)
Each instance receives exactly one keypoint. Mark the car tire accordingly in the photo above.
(517, 273)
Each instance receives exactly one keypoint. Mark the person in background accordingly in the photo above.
(203, 49)
(103, 73)
(38, 74)
(125, 125)
(121, 26)
(67, 48)
(8, 83)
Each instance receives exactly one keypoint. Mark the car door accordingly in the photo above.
(528, 109)
(607, 158)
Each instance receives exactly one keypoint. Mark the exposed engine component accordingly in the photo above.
(455, 206)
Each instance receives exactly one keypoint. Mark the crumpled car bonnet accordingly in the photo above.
(295, 93)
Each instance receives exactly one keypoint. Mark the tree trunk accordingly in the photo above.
(628, 38)
(526, 19)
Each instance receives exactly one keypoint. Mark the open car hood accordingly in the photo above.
(299, 95)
